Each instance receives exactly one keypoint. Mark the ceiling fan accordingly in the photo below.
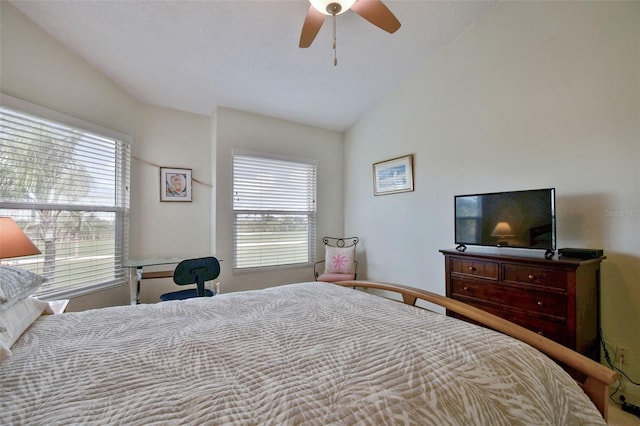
(371, 10)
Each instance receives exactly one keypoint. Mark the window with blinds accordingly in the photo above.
(274, 211)
(68, 189)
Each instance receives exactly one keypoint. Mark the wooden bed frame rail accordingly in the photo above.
(599, 377)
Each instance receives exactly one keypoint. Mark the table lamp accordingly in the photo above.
(503, 231)
(13, 241)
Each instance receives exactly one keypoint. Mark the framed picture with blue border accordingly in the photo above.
(393, 176)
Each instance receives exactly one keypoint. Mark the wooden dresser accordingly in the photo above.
(559, 299)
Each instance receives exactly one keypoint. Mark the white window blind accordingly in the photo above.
(274, 210)
(68, 189)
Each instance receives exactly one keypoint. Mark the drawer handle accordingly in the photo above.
(540, 303)
(466, 288)
(541, 333)
(471, 268)
(532, 277)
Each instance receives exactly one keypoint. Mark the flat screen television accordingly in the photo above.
(518, 219)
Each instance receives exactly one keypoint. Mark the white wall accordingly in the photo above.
(536, 94)
(242, 130)
(38, 69)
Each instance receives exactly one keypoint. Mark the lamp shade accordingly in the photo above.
(503, 229)
(14, 242)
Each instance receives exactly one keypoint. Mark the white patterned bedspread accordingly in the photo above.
(309, 353)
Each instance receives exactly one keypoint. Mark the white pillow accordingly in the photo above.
(16, 284)
(339, 260)
(15, 320)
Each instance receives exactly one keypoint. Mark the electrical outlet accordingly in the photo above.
(621, 355)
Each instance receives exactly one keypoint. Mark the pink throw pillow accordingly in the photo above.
(339, 260)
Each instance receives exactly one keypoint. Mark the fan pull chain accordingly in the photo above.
(335, 54)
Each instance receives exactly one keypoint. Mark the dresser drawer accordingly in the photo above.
(554, 330)
(528, 300)
(531, 275)
(475, 268)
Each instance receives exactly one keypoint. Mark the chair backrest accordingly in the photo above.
(197, 271)
(340, 241)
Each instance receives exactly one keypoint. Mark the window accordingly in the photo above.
(468, 218)
(274, 211)
(68, 189)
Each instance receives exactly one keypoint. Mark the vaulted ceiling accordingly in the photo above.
(196, 55)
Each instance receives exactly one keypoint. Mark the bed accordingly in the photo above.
(307, 353)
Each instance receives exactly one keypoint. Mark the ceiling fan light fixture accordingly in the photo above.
(327, 6)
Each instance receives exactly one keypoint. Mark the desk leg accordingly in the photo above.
(135, 276)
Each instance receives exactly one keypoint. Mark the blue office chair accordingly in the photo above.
(192, 271)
